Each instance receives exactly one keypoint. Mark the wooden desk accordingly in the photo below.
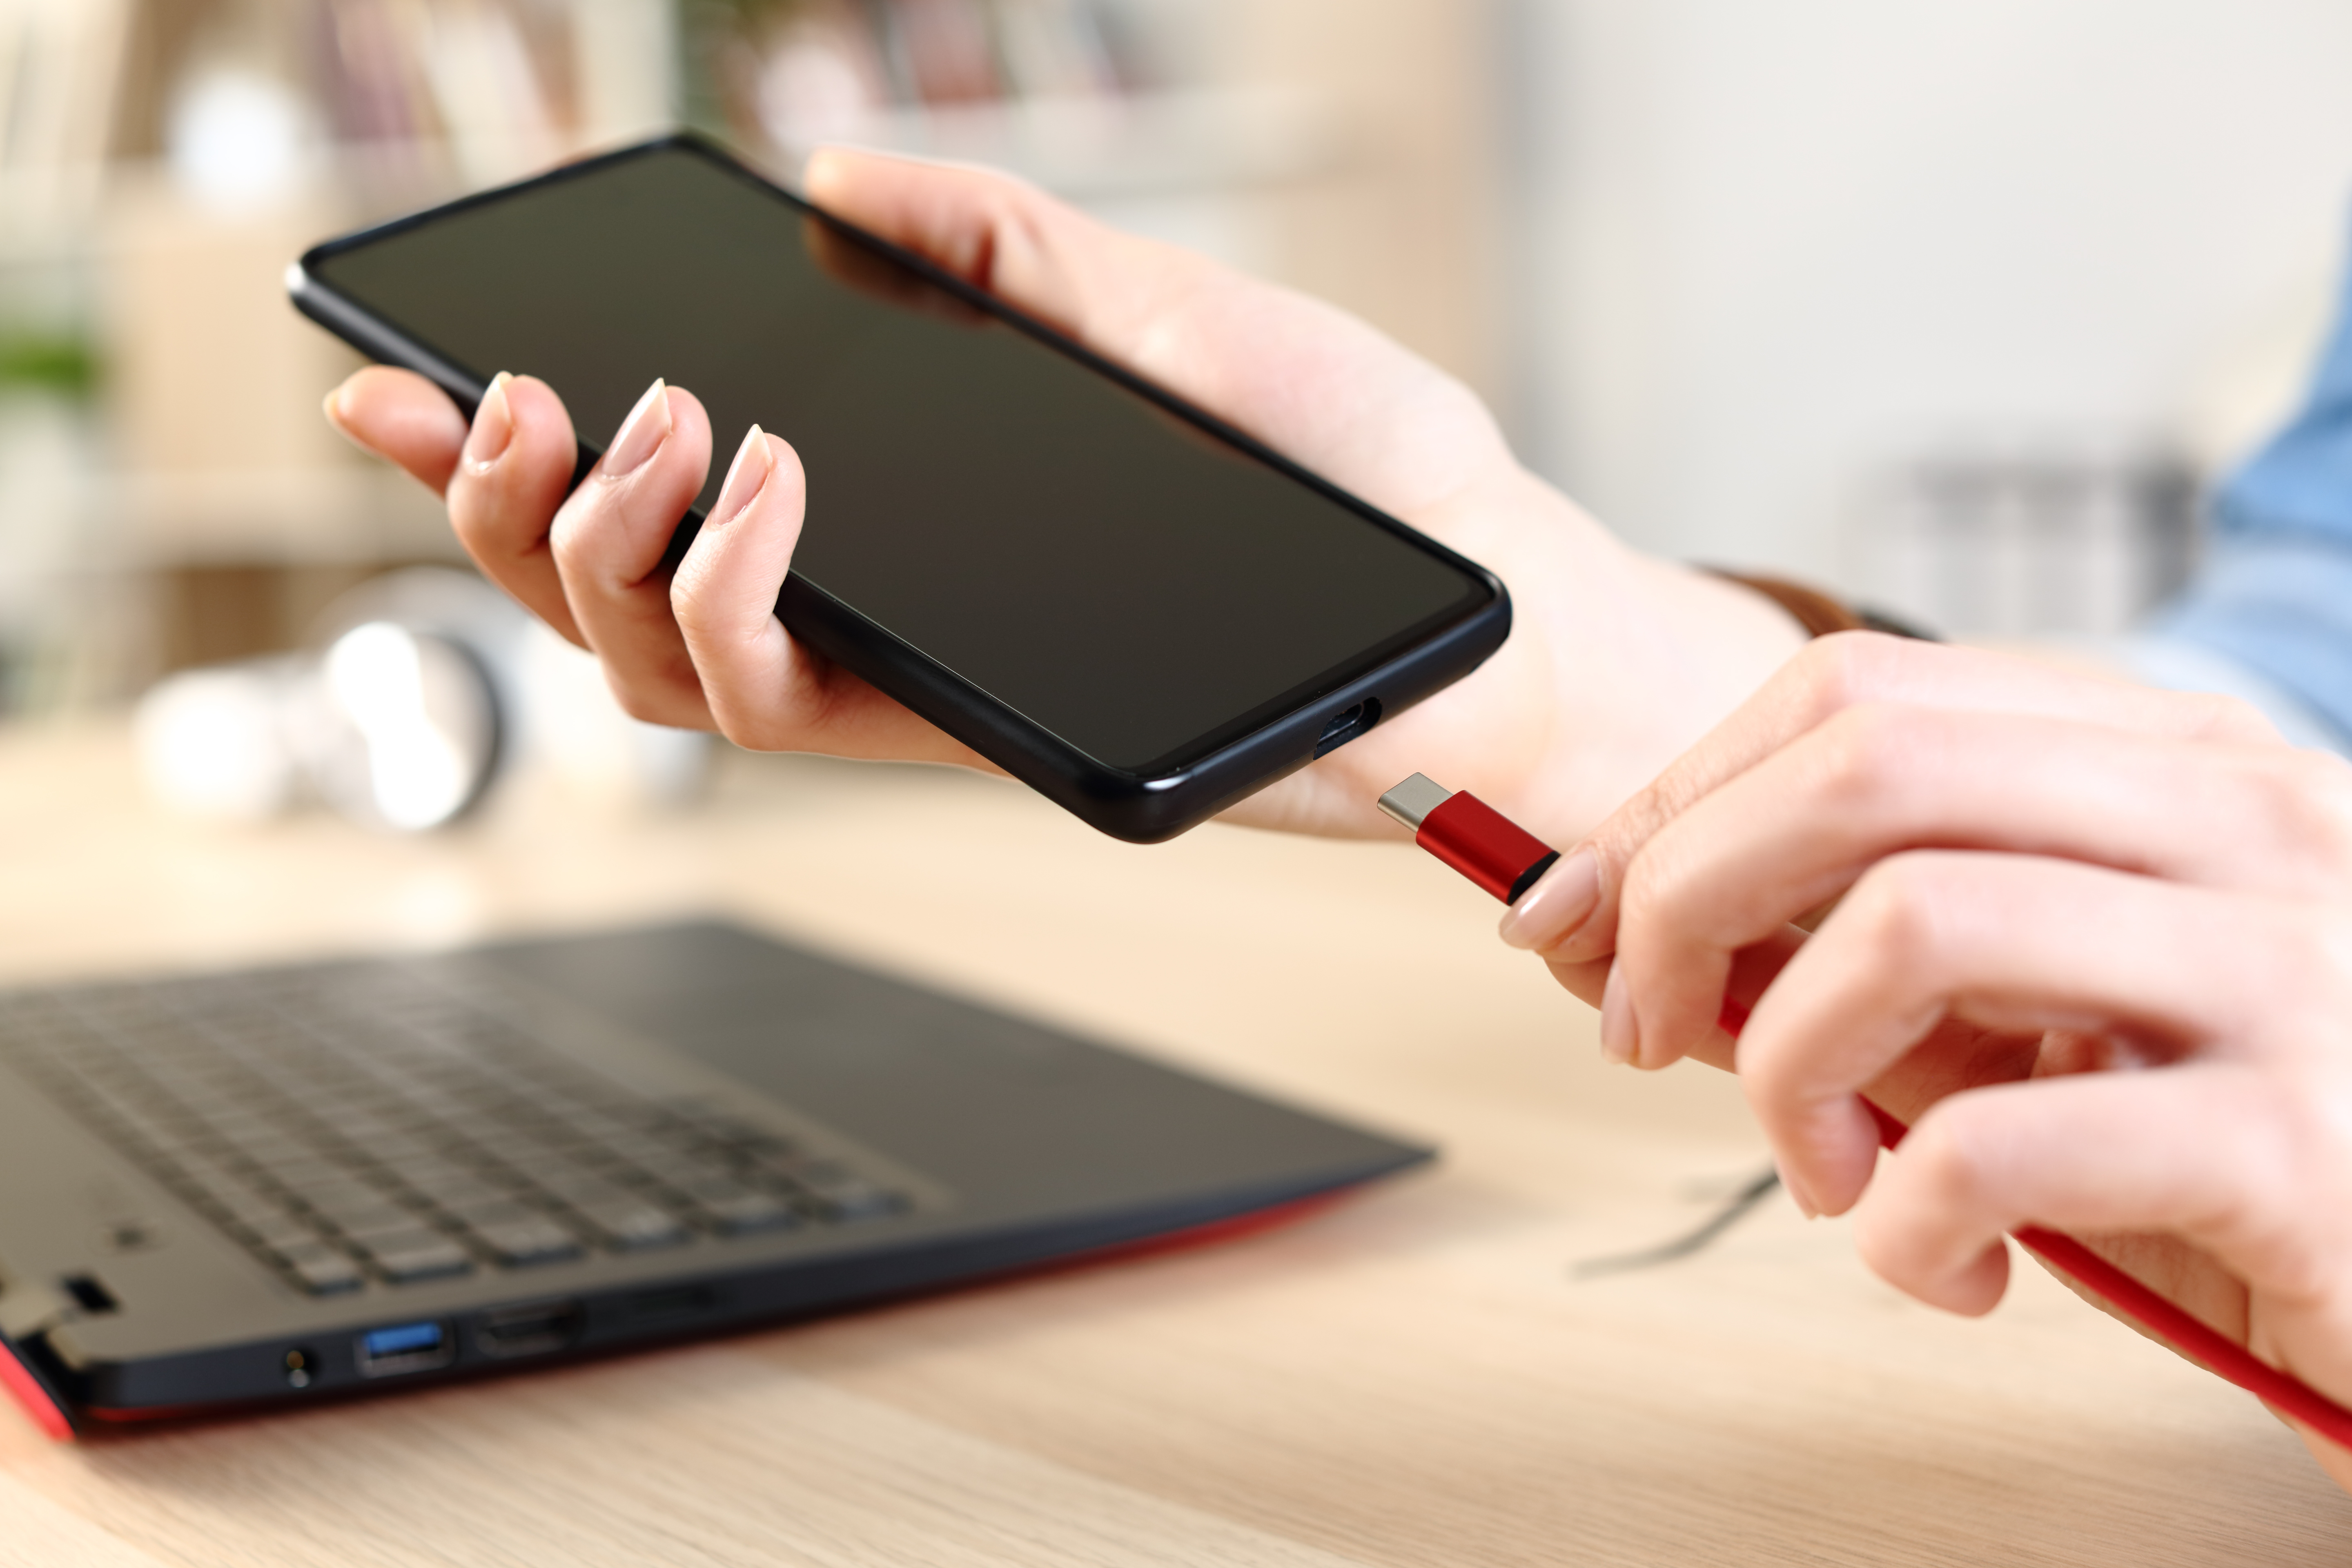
(1412, 1378)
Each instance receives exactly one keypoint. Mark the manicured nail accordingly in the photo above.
(1621, 1032)
(745, 478)
(1796, 1194)
(1559, 903)
(493, 424)
(641, 433)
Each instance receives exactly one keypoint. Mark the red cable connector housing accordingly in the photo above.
(1471, 836)
(1486, 846)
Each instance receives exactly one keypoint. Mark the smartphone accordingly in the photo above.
(1113, 595)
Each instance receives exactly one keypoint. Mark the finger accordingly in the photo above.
(2248, 1169)
(609, 540)
(515, 470)
(2239, 1163)
(1753, 968)
(400, 416)
(2018, 944)
(2201, 1152)
(764, 690)
(1573, 914)
(1310, 380)
(1795, 830)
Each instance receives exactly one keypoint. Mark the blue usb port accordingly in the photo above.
(406, 1348)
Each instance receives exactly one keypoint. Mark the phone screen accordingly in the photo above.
(1109, 569)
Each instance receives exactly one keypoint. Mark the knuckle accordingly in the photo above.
(570, 536)
(2312, 795)
(2287, 1142)
(1649, 891)
(473, 533)
(1870, 751)
(690, 601)
(2300, 968)
(2320, 974)
(637, 706)
(2334, 938)
(1848, 669)
(750, 731)
(762, 729)
(1832, 673)
(1891, 911)
(2213, 716)
(1952, 1154)
(637, 698)
(1632, 828)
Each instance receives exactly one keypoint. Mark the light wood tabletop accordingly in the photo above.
(1412, 1378)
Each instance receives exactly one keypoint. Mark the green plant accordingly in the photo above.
(48, 362)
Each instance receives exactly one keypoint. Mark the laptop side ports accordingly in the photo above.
(532, 1330)
(402, 1348)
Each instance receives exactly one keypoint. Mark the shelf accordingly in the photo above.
(1147, 144)
(358, 514)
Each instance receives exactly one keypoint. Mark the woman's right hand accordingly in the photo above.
(1615, 664)
(2092, 942)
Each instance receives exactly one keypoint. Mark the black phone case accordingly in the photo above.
(1142, 807)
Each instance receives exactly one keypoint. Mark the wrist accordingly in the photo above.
(1643, 658)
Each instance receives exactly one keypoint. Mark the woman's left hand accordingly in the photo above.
(2094, 942)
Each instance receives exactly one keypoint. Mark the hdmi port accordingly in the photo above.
(534, 1330)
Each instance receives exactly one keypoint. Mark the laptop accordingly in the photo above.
(276, 1185)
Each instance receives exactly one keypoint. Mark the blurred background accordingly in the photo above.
(1956, 306)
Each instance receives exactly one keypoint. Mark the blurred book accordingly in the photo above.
(60, 64)
(495, 80)
(795, 72)
(941, 51)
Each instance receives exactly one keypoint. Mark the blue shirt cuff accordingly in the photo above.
(2268, 620)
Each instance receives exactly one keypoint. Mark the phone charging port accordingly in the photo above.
(1347, 724)
(405, 1348)
(534, 1330)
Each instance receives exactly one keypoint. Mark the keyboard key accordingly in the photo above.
(246, 1207)
(364, 1228)
(576, 1187)
(520, 1243)
(405, 1257)
(345, 1193)
(321, 1272)
(633, 1227)
(277, 1233)
(748, 1211)
(844, 1194)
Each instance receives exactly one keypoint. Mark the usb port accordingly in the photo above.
(534, 1330)
(406, 1348)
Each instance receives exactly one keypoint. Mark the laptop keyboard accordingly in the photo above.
(368, 1127)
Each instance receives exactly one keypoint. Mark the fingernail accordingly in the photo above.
(641, 433)
(745, 478)
(1621, 1032)
(333, 408)
(1796, 1194)
(1557, 906)
(493, 424)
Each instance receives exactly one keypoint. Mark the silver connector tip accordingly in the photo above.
(1412, 801)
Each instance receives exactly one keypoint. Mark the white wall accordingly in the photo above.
(1769, 244)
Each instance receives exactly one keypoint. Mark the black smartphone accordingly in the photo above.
(1113, 595)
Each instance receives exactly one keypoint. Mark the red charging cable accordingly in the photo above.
(1506, 859)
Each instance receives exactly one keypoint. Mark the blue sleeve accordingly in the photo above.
(2273, 596)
